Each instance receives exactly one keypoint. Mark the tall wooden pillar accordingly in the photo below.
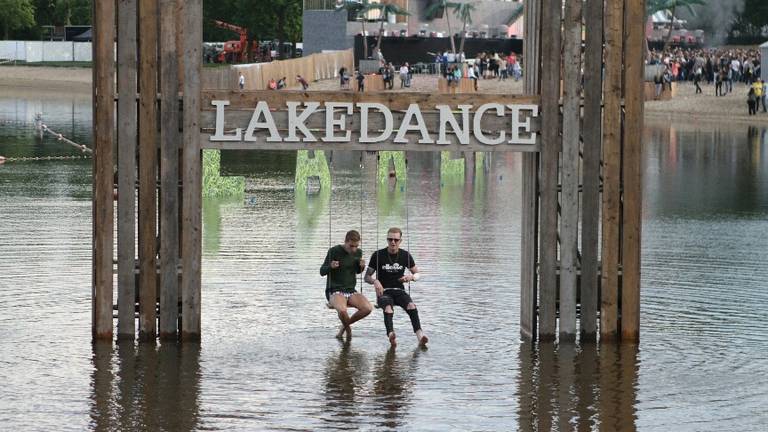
(103, 151)
(150, 150)
(587, 178)
(192, 174)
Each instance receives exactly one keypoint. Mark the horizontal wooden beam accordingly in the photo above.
(270, 120)
(394, 101)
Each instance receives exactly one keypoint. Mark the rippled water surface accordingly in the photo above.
(269, 361)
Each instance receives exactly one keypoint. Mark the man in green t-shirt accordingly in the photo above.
(341, 266)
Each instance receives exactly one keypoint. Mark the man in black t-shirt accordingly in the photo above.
(389, 265)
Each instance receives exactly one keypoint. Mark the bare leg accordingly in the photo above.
(363, 306)
(420, 336)
(340, 304)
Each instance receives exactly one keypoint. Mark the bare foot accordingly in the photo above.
(392, 339)
(422, 338)
(340, 333)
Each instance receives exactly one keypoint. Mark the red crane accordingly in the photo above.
(235, 51)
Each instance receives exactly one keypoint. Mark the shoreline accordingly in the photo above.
(18, 81)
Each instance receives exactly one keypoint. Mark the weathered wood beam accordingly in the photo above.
(126, 170)
(632, 171)
(192, 174)
(103, 151)
(593, 137)
(148, 144)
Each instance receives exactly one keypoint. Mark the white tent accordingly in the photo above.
(763, 58)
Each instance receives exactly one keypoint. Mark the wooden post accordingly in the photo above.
(169, 172)
(632, 180)
(569, 223)
(530, 173)
(103, 140)
(590, 199)
(550, 154)
(147, 168)
(192, 174)
(126, 160)
(614, 35)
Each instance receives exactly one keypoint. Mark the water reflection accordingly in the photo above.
(571, 387)
(145, 387)
(345, 381)
(704, 172)
(392, 387)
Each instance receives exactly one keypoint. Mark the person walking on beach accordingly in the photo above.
(302, 81)
(389, 265)
(341, 265)
(697, 79)
(719, 84)
(751, 101)
(757, 85)
(404, 76)
(360, 81)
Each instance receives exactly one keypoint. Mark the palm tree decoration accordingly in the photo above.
(358, 9)
(444, 5)
(386, 9)
(654, 6)
(463, 11)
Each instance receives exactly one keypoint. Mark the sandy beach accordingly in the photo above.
(16, 80)
(685, 106)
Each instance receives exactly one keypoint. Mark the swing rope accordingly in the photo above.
(330, 214)
(362, 199)
(407, 230)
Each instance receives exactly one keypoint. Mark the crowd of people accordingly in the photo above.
(721, 68)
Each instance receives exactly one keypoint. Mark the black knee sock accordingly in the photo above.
(388, 322)
(414, 314)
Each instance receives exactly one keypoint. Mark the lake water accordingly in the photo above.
(269, 359)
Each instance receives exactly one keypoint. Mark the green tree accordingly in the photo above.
(387, 9)
(444, 5)
(654, 6)
(358, 9)
(751, 24)
(16, 14)
(463, 11)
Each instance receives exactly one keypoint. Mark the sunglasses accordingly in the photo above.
(389, 239)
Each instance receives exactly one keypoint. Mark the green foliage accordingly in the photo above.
(391, 161)
(307, 167)
(463, 12)
(358, 9)
(265, 20)
(451, 170)
(653, 6)
(15, 15)
(387, 9)
(444, 5)
(750, 26)
(214, 185)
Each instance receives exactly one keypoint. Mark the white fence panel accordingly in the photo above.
(13, 50)
(58, 51)
(83, 51)
(34, 52)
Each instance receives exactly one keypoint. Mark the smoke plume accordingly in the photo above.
(715, 18)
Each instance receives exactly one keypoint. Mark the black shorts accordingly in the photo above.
(392, 297)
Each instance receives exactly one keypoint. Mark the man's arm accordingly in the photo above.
(369, 276)
(414, 276)
(375, 282)
(325, 268)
